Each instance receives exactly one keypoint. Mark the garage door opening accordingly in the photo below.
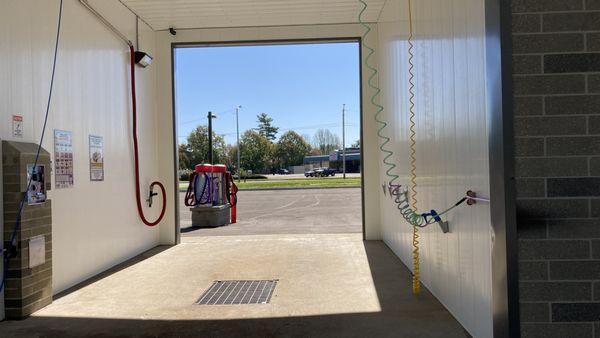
(285, 121)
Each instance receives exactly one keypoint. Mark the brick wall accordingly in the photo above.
(556, 56)
(28, 288)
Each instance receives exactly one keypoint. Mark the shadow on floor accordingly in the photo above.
(193, 228)
(401, 315)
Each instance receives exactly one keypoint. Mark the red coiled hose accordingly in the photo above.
(232, 189)
(136, 160)
(190, 198)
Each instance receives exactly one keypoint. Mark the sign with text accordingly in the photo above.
(17, 124)
(63, 159)
(96, 158)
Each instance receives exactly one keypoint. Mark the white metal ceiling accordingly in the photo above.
(162, 14)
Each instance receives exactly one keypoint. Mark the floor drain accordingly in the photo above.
(223, 292)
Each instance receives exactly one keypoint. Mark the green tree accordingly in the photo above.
(266, 128)
(255, 151)
(356, 144)
(197, 143)
(291, 149)
(184, 157)
(231, 160)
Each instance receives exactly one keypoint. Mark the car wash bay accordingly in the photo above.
(105, 271)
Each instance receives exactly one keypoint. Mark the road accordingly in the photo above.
(297, 176)
(298, 211)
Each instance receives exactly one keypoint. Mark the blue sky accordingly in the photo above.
(302, 87)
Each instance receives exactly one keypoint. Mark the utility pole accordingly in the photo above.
(210, 138)
(239, 149)
(344, 138)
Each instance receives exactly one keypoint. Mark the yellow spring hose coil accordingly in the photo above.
(413, 152)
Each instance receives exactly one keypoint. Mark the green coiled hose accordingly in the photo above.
(382, 124)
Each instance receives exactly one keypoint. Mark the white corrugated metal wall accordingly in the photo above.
(452, 148)
(95, 224)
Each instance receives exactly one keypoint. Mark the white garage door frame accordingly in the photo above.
(174, 46)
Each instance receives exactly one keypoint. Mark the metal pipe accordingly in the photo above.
(237, 124)
(210, 137)
(106, 22)
(344, 139)
(478, 199)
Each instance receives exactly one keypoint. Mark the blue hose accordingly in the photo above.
(202, 196)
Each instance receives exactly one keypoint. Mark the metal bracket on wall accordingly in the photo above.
(444, 226)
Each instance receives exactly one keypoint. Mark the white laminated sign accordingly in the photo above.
(17, 125)
(63, 159)
(96, 158)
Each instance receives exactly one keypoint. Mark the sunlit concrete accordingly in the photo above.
(296, 211)
(329, 285)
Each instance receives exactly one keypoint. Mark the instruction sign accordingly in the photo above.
(63, 158)
(96, 158)
(17, 124)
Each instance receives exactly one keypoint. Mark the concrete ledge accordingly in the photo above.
(210, 217)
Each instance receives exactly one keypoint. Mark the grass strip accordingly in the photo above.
(325, 182)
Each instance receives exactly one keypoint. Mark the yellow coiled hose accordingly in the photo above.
(413, 152)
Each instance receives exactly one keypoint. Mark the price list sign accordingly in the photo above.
(63, 158)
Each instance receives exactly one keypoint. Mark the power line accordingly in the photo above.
(225, 112)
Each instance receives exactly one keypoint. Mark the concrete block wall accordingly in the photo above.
(27, 289)
(556, 73)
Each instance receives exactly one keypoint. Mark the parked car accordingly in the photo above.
(309, 173)
(325, 172)
(282, 171)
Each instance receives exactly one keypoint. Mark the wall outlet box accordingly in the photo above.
(37, 251)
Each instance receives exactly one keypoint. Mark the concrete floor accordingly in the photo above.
(330, 285)
(298, 211)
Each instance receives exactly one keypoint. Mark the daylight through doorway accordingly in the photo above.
(285, 122)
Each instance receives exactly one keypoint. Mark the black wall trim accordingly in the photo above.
(499, 96)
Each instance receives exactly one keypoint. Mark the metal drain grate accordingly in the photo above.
(224, 292)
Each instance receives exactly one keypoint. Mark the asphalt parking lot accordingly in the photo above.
(297, 211)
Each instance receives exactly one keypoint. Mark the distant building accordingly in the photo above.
(334, 160)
